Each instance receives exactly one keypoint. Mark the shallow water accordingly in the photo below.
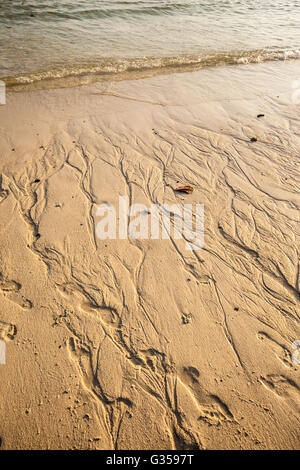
(41, 39)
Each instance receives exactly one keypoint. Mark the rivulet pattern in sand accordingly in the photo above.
(124, 344)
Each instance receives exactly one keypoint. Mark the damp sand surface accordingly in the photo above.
(143, 344)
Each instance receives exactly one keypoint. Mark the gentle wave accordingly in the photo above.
(46, 11)
(65, 10)
(115, 69)
(66, 41)
(82, 14)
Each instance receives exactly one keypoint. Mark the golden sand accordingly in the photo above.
(143, 344)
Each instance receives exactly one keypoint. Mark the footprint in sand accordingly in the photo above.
(280, 351)
(12, 290)
(282, 386)
(106, 315)
(212, 410)
(81, 356)
(7, 331)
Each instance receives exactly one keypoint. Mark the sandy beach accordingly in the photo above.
(144, 344)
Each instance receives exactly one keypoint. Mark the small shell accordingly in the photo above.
(185, 189)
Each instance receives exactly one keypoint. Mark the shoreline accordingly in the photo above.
(104, 337)
(115, 70)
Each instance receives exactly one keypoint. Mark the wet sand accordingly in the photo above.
(143, 344)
